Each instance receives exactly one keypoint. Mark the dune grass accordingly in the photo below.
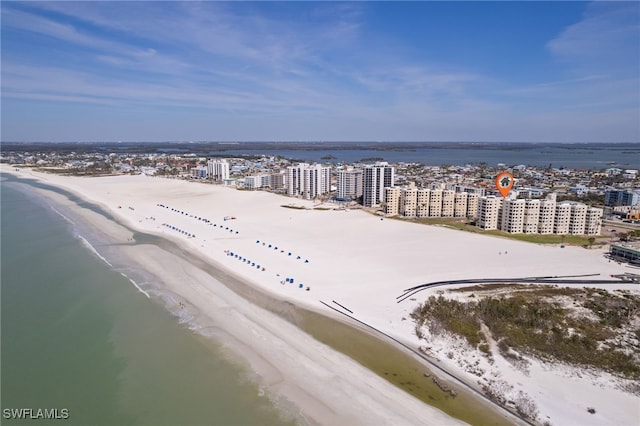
(535, 322)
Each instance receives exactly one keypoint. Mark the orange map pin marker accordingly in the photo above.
(504, 183)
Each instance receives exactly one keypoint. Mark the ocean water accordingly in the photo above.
(79, 338)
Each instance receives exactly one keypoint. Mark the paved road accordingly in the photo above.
(526, 280)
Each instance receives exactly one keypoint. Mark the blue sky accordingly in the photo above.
(296, 71)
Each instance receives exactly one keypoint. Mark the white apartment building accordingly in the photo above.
(472, 205)
(460, 204)
(218, 170)
(562, 218)
(531, 216)
(448, 198)
(349, 184)
(199, 172)
(578, 218)
(277, 181)
(308, 181)
(513, 215)
(593, 221)
(547, 215)
(375, 178)
(294, 179)
(408, 201)
(470, 189)
(488, 212)
(422, 201)
(435, 203)
(317, 181)
(253, 182)
(392, 205)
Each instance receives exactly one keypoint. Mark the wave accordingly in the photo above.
(63, 216)
(92, 249)
(135, 284)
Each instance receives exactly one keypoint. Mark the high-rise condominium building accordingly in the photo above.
(562, 218)
(448, 200)
(578, 218)
(593, 221)
(375, 178)
(277, 181)
(349, 184)
(435, 203)
(472, 205)
(513, 215)
(218, 170)
(489, 211)
(531, 216)
(547, 215)
(422, 202)
(392, 203)
(408, 201)
(460, 204)
(308, 181)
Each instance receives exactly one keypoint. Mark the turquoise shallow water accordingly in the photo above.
(77, 335)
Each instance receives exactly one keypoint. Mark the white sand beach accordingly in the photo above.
(309, 256)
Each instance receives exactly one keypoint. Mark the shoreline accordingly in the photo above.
(373, 309)
(285, 387)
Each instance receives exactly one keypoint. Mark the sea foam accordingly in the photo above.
(92, 249)
(135, 284)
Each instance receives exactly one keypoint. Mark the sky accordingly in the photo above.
(321, 71)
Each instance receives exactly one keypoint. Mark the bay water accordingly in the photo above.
(79, 340)
(574, 156)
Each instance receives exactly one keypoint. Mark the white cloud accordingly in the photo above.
(606, 38)
(235, 64)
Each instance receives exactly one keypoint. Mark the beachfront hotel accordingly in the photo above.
(518, 216)
(308, 181)
(218, 170)
(375, 178)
